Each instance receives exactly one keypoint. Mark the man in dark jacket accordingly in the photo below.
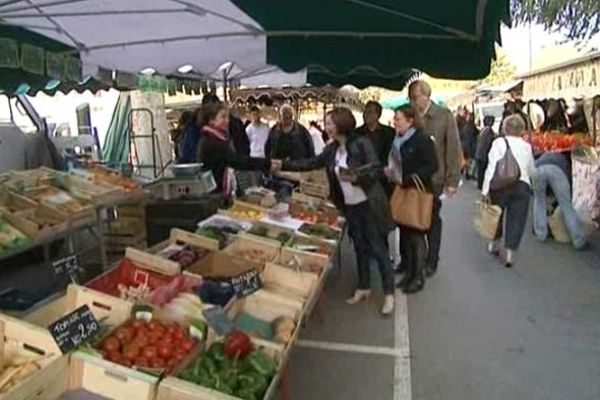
(381, 136)
(484, 143)
(289, 140)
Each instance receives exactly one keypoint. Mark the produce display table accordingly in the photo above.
(267, 281)
(36, 189)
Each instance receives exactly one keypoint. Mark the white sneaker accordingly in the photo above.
(388, 305)
(359, 295)
(494, 247)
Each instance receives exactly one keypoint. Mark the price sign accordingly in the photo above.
(218, 320)
(74, 329)
(67, 266)
(246, 284)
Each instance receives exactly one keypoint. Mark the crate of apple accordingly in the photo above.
(152, 346)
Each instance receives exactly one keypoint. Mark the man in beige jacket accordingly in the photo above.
(441, 125)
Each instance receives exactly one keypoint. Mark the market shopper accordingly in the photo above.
(553, 171)
(353, 171)
(187, 138)
(236, 129)
(381, 136)
(288, 139)
(484, 144)
(514, 200)
(412, 155)
(441, 125)
(257, 132)
(216, 151)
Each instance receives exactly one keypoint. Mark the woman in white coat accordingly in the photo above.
(513, 200)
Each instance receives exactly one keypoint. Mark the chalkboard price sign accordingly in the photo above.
(67, 266)
(246, 284)
(74, 329)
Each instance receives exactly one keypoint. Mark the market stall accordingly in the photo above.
(210, 314)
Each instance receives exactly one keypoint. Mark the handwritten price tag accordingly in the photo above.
(246, 284)
(74, 329)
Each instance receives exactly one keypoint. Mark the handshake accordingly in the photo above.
(276, 165)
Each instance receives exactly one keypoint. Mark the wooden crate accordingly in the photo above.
(110, 380)
(150, 260)
(173, 388)
(128, 229)
(288, 282)
(103, 306)
(245, 245)
(314, 189)
(38, 222)
(22, 339)
(75, 210)
(98, 194)
(323, 247)
(12, 201)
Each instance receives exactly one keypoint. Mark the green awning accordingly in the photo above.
(445, 39)
(30, 62)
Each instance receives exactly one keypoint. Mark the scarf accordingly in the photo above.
(395, 157)
(400, 140)
(228, 175)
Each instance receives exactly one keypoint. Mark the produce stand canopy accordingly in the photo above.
(326, 94)
(356, 41)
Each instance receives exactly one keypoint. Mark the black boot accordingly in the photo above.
(405, 280)
(416, 264)
(400, 268)
(415, 285)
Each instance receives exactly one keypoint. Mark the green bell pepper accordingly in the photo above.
(262, 363)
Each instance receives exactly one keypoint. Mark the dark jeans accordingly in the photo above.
(514, 202)
(369, 243)
(434, 235)
(415, 250)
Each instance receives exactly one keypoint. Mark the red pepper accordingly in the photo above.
(237, 344)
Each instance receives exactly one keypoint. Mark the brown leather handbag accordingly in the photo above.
(507, 171)
(412, 206)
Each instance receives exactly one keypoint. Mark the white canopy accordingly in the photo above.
(127, 35)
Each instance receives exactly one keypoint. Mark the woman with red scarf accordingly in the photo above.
(216, 152)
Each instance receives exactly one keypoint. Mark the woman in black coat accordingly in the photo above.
(354, 173)
(412, 155)
(216, 152)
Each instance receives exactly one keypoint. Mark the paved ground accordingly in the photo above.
(480, 331)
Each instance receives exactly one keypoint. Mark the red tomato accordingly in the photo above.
(152, 325)
(111, 344)
(179, 335)
(167, 339)
(124, 335)
(154, 337)
(157, 362)
(187, 345)
(165, 350)
(114, 356)
(142, 361)
(150, 352)
(137, 324)
(131, 352)
(141, 340)
(171, 328)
